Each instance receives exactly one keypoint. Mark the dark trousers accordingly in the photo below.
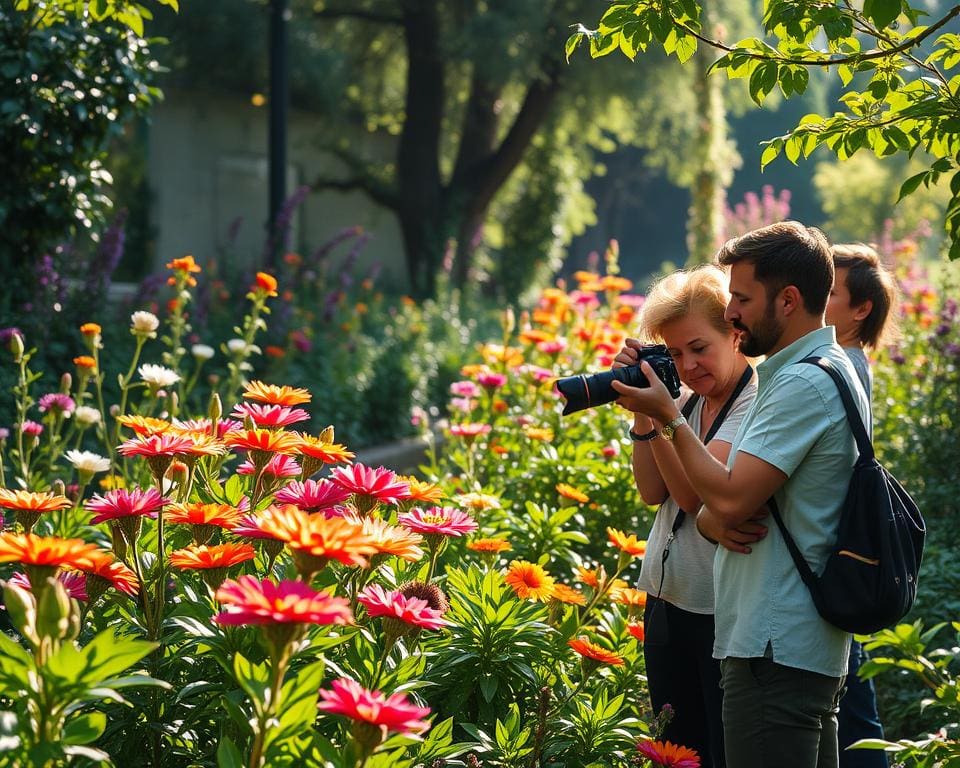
(681, 672)
(776, 716)
(858, 717)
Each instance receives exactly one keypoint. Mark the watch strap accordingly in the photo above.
(644, 437)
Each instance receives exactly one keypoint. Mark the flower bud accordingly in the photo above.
(16, 346)
(22, 608)
(53, 610)
(508, 320)
(215, 411)
(66, 381)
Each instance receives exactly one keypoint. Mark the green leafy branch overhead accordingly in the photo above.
(900, 84)
(129, 14)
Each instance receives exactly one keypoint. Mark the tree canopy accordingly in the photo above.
(459, 116)
(896, 65)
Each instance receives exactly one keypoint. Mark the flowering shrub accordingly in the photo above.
(186, 590)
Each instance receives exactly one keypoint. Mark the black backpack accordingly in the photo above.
(870, 580)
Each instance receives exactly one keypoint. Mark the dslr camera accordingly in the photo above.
(588, 390)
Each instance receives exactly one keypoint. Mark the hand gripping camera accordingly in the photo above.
(588, 390)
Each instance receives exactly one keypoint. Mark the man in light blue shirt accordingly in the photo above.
(782, 664)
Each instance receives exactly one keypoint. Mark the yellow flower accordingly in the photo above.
(569, 492)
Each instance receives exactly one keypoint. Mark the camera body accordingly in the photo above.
(588, 390)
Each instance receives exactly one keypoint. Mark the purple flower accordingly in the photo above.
(4, 433)
(897, 357)
(953, 350)
(7, 334)
(57, 402)
(942, 330)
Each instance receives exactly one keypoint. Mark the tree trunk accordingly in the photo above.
(717, 161)
(419, 184)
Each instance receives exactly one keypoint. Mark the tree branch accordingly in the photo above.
(879, 53)
(361, 179)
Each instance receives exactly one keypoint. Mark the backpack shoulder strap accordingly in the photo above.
(853, 415)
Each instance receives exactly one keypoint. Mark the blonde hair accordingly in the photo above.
(702, 290)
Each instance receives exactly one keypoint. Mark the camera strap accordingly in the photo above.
(687, 410)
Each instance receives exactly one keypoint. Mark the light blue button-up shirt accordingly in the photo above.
(797, 424)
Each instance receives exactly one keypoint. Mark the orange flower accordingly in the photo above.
(393, 539)
(489, 545)
(328, 453)
(265, 440)
(636, 629)
(48, 551)
(593, 651)
(583, 276)
(219, 556)
(184, 264)
(478, 502)
(569, 492)
(616, 283)
(271, 393)
(85, 362)
(104, 568)
(202, 444)
(588, 576)
(669, 755)
(566, 594)
(538, 433)
(265, 284)
(535, 336)
(422, 491)
(529, 581)
(144, 425)
(316, 539)
(30, 501)
(271, 350)
(629, 596)
(90, 329)
(630, 544)
(221, 515)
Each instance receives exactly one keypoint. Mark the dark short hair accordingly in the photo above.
(786, 253)
(868, 280)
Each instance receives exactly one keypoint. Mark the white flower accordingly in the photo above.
(201, 351)
(237, 346)
(157, 376)
(87, 461)
(86, 416)
(144, 322)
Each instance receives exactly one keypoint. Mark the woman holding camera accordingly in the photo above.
(685, 312)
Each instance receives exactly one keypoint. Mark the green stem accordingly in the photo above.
(388, 643)
(125, 384)
(278, 663)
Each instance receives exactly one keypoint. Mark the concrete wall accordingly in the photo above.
(207, 165)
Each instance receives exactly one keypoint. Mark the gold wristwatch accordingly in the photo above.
(670, 429)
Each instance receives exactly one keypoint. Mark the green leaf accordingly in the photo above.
(571, 45)
(910, 185)
(228, 756)
(771, 152)
(882, 12)
(254, 679)
(85, 728)
(109, 654)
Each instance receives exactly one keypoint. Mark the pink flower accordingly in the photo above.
(537, 373)
(163, 444)
(393, 713)
(491, 380)
(73, 581)
(250, 527)
(469, 430)
(445, 521)
(251, 601)
(465, 389)
(554, 347)
(410, 610)
(279, 465)
(31, 428)
(313, 495)
(206, 426)
(462, 404)
(57, 402)
(379, 483)
(123, 503)
(269, 415)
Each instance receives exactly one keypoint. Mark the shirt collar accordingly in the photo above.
(801, 348)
